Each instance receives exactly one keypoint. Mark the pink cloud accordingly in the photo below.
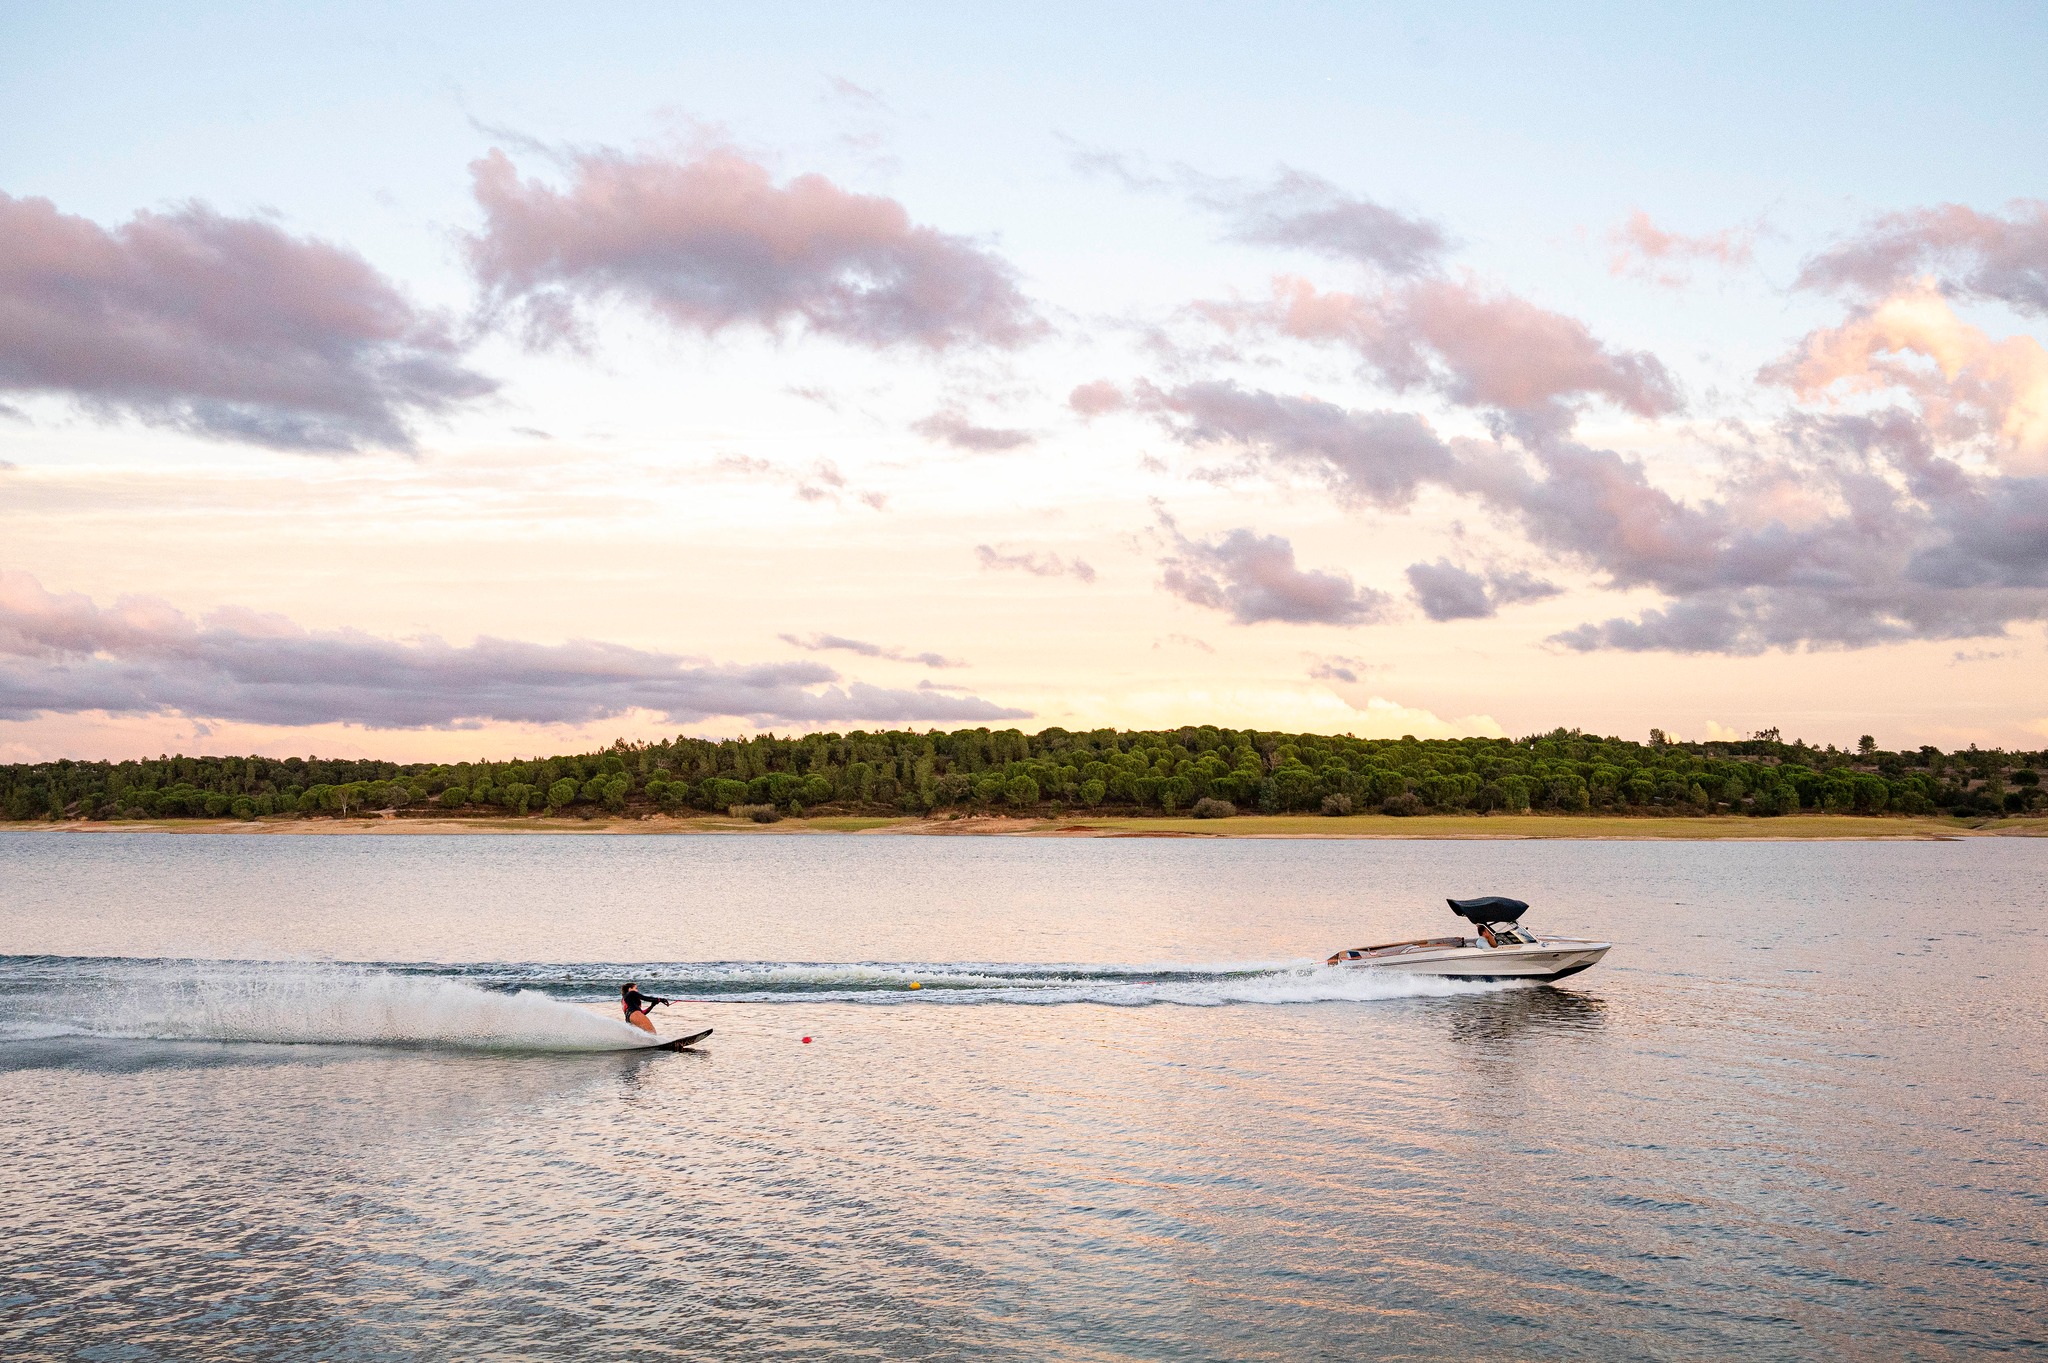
(1479, 349)
(1970, 252)
(1306, 212)
(1254, 578)
(228, 328)
(1043, 563)
(1379, 458)
(1965, 382)
(1644, 250)
(951, 427)
(1446, 591)
(1096, 399)
(713, 242)
(1295, 210)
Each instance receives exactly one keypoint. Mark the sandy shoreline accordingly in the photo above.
(1786, 828)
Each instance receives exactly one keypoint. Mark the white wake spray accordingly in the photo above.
(968, 983)
(1310, 984)
(340, 1005)
(288, 1003)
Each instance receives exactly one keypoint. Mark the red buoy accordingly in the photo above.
(807, 1041)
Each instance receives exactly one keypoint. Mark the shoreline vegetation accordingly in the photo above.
(1792, 828)
(1196, 781)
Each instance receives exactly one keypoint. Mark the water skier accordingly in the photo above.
(637, 1004)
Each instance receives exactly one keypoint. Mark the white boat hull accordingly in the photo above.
(1548, 959)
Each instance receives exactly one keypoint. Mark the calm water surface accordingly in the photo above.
(1796, 1113)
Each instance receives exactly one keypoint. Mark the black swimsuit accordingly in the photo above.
(637, 1002)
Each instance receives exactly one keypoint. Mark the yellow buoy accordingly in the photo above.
(915, 985)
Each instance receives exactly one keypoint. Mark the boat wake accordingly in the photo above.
(542, 1007)
(982, 983)
(309, 1004)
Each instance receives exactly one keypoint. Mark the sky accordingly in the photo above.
(445, 382)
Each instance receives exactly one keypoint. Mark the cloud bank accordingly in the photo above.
(226, 328)
(1856, 532)
(64, 654)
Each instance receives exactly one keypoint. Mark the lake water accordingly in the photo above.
(1797, 1112)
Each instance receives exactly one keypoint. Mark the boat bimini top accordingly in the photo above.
(1495, 916)
(1492, 908)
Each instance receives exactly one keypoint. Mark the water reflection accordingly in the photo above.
(1523, 1014)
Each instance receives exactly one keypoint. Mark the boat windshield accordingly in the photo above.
(1510, 937)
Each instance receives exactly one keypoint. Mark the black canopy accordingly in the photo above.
(1492, 909)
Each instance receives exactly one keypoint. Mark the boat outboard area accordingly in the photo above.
(1502, 950)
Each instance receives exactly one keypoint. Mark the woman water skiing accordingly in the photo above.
(637, 1004)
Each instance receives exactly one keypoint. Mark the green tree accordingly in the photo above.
(455, 797)
(1021, 791)
(1296, 787)
(1567, 791)
(721, 793)
(561, 793)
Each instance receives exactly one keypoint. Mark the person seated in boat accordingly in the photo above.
(638, 1004)
(1487, 932)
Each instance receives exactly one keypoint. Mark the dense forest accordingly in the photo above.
(1205, 771)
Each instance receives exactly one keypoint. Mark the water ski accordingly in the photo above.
(682, 1042)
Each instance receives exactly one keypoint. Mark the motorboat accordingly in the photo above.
(1503, 950)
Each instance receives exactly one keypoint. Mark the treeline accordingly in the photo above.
(1207, 771)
